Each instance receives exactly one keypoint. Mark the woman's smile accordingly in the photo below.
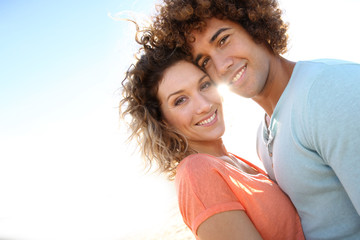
(190, 103)
(209, 121)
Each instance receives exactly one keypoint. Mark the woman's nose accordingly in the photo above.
(203, 105)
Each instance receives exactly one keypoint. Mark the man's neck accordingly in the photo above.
(278, 78)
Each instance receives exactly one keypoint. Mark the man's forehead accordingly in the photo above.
(210, 27)
(203, 39)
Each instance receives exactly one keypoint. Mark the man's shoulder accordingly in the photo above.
(326, 63)
(324, 73)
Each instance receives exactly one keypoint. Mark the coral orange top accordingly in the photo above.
(207, 185)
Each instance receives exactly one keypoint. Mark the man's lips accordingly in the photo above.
(239, 75)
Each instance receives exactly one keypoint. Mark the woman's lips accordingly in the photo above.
(208, 120)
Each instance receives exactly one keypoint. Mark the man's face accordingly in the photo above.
(229, 55)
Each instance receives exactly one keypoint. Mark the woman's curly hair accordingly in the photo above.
(158, 142)
(177, 19)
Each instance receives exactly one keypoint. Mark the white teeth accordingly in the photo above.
(208, 120)
(238, 76)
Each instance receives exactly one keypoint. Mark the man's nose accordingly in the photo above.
(222, 64)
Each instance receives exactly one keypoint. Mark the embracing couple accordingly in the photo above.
(308, 140)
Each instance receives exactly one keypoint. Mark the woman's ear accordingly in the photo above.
(163, 121)
(168, 126)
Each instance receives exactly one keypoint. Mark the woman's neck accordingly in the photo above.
(214, 148)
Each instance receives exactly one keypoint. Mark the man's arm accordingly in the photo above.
(334, 123)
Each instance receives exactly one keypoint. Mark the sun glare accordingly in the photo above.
(223, 89)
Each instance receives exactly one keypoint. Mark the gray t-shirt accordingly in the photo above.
(312, 147)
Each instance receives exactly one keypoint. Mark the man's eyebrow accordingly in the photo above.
(212, 39)
(197, 59)
(217, 34)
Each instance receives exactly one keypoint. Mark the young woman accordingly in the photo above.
(177, 118)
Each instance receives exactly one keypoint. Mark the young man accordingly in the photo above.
(310, 138)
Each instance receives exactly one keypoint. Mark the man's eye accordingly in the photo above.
(204, 63)
(223, 40)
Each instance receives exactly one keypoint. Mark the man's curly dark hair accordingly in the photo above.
(177, 19)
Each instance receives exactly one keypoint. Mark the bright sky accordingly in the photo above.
(65, 169)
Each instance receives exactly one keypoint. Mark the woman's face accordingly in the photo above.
(190, 103)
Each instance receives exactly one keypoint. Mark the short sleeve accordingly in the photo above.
(333, 119)
(202, 190)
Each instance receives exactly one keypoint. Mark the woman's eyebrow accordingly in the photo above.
(174, 93)
(181, 90)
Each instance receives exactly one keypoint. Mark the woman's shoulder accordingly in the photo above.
(198, 161)
(198, 165)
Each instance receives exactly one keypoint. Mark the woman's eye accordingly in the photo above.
(205, 85)
(223, 40)
(179, 101)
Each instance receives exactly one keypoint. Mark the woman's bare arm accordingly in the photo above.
(228, 225)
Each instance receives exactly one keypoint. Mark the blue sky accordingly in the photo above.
(63, 160)
(65, 169)
(50, 52)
